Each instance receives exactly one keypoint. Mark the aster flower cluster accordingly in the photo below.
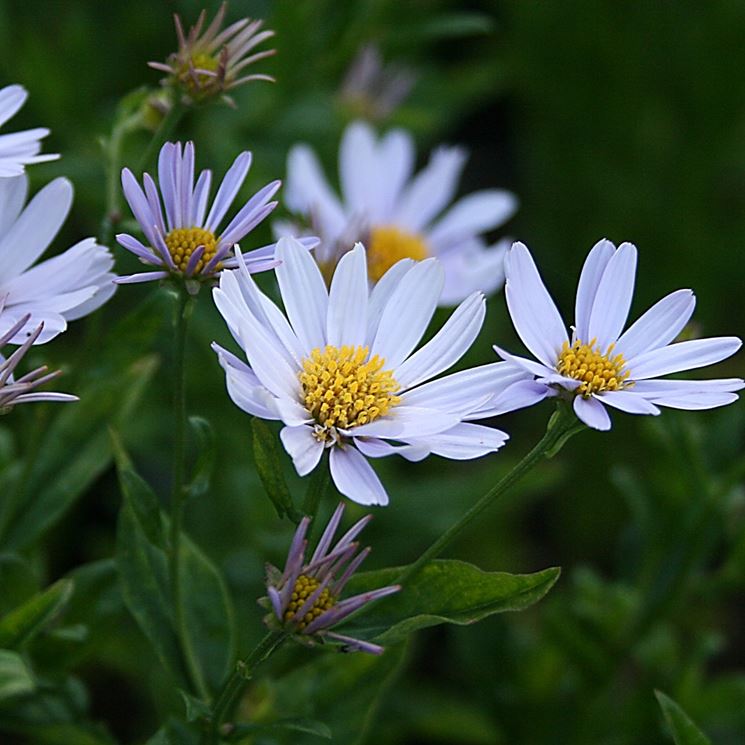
(304, 598)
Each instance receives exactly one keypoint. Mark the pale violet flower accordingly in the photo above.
(341, 373)
(602, 365)
(397, 214)
(57, 290)
(18, 149)
(188, 241)
(305, 597)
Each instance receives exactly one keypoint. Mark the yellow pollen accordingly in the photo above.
(182, 242)
(389, 245)
(343, 388)
(199, 61)
(598, 371)
(304, 588)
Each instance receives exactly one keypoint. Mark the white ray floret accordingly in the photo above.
(397, 214)
(341, 372)
(601, 364)
(19, 149)
(57, 290)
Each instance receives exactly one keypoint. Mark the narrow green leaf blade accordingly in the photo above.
(292, 724)
(444, 591)
(269, 466)
(15, 677)
(683, 730)
(207, 454)
(22, 623)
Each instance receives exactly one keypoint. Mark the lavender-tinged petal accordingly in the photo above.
(297, 545)
(160, 245)
(328, 534)
(138, 249)
(276, 601)
(14, 329)
(341, 610)
(142, 277)
(153, 200)
(187, 185)
(165, 179)
(330, 562)
(229, 187)
(30, 397)
(592, 413)
(194, 259)
(256, 202)
(355, 645)
(354, 565)
(138, 203)
(353, 532)
(201, 195)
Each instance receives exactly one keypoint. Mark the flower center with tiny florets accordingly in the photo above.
(342, 388)
(182, 242)
(388, 245)
(598, 371)
(304, 588)
(199, 61)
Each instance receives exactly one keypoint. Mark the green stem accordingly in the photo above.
(165, 130)
(562, 425)
(183, 311)
(236, 684)
(319, 482)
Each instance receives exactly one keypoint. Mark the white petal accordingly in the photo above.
(12, 98)
(12, 198)
(613, 297)
(466, 441)
(396, 155)
(536, 319)
(535, 368)
(472, 215)
(472, 266)
(592, 412)
(381, 294)
(347, 309)
(406, 421)
(658, 326)
(292, 413)
(358, 168)
(245, 390)
(450, 343)
(408, 313)
(304, 449)
(629, 401)
(355, 478)
(519, 395)
(685, 355)
(304, 293)
(697, 401)
(589, 280)
(654, 388)
(374, 448)
(431, 190)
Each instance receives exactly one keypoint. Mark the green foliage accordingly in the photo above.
(269, 467)
(683, 730)
(15, 677)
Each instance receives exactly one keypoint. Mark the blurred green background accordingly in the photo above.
(623, 120)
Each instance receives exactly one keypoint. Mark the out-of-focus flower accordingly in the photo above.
(187, 242)
(209, 61)
(57, 290)
(373, 90)
(19, 391)
(305, 596)
(398, 216)
(342, 374)
(600, 365)
(18, 149)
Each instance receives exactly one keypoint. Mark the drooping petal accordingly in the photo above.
(465, 441)
(629, 401)
(406, 421)
(304, 449)
(355, 478)
(592, 412)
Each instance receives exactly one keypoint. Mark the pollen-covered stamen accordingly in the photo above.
(342, 388)
(388, 245)
(182, 242)
(599, 371)
(305, 586)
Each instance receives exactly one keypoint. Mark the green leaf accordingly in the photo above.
(269, 467)
(683, 730)
(298, 724)
(17, 580)
(143, 568)
(15, 677)
(22, 623)
(207, 449)
(195, 708)
(444, 591)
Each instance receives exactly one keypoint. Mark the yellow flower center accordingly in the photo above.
(304, 588)
(182, 242)
(199, 61)
(598, 371)
(389, 245)
(343, 388)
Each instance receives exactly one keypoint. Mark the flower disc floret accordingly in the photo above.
(342, 388)
(388, 245)
(182, 242)
(599, 371)
(305, 586)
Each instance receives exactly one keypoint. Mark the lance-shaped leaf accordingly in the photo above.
(269, 467)
(27, 620)
(205, 462)
(444, 591)
(15, 677)
(682, 728)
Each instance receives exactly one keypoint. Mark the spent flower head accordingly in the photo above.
(305, 597)
(18, 149)
(21, 390)
(187, 242)
(341, 371)
(397, 214)
(601, 364)
(210, 60)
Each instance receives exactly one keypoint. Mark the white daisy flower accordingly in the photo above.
(340, 371)
(18, 149)
(602, 365)
(398, 215)
(188, 242)
(55, 291)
